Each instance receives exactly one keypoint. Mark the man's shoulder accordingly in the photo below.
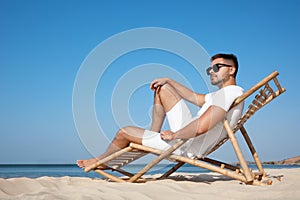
(229, 89)
(232, 88)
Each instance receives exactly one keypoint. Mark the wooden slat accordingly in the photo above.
(125, 159)
(259, 98)
(116, 164)
(278, 85)
(270, 89)
(118, 161)
(254, 88)
(263, 93)
(106, 159)
(257, 103)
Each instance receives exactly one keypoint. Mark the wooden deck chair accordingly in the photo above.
(266, 90)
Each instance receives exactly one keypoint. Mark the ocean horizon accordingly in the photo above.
(72, 170)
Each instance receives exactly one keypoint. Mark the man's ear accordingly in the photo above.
(232, 70)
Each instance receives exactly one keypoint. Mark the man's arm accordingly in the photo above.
(208, 120)
(184, 92)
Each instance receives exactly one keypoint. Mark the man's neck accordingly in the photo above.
(227, 83)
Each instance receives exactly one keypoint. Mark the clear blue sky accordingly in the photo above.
(43, 44)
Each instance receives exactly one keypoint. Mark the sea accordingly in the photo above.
(60, 170)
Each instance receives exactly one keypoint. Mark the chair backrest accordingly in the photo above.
(266, 90)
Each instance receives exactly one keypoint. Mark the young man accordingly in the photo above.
(202, 131)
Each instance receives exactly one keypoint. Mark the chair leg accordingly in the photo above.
(109, 176)
(220, 164)
(157, 160)
(172, 170)
(123, 172)
(253, 151)
(238, 151)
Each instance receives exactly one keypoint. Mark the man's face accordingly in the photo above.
(218, 78)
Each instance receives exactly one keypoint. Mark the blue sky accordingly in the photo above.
(44, 43)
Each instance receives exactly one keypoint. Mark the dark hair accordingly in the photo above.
(231, 57)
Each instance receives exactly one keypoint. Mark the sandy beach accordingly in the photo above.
(286, 185)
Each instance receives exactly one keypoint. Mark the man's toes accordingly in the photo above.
(80, 163)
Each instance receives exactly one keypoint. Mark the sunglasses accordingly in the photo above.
(216, 67)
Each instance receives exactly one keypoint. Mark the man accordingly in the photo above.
(201, 132)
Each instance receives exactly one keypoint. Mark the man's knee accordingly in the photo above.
(121, 133)
(124, 131)
(167, 91)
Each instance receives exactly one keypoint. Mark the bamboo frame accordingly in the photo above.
(199, 163)
(134, 151)
(238, 152)
(253, 151)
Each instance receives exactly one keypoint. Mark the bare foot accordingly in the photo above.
(85, 163)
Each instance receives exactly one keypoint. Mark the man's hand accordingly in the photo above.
(167, 135)
(157, 83)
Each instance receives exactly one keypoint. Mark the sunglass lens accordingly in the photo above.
(208, 70)
(215, 68)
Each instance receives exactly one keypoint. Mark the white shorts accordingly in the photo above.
(178, 117)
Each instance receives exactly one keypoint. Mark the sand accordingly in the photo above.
(179, 186)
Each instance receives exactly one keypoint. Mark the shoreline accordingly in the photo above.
(179, 186)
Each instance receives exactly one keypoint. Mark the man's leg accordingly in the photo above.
(122, 139)
(165, 98)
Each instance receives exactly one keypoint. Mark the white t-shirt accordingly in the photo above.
(222, 98)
